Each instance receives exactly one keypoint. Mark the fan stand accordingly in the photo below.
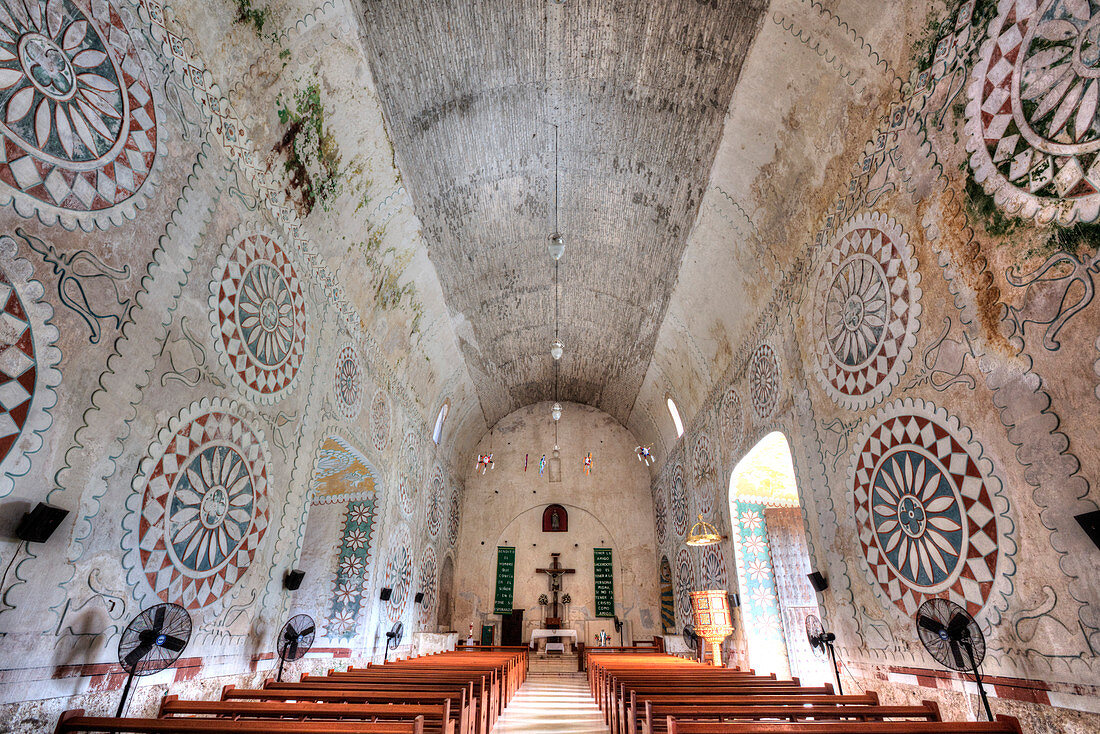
(386, 655)
(977, 676)
(125, 693)
(836, 667)
(279, 677)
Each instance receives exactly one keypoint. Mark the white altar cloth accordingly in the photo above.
(539, 634)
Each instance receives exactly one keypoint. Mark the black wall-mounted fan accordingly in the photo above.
(822, 643)
(953, 638)
(393, 638)
(152, 641)
(295, 639)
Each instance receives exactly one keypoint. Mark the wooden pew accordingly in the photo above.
(75, 721)
(437, 719)
(1003, 725)
(638, 719)
(656, 715)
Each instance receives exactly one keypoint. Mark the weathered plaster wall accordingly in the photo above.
(925, 295)
(609, 508)
(186, 374)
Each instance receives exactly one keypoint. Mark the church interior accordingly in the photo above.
(517, 352)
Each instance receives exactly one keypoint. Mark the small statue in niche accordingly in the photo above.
(555, 519)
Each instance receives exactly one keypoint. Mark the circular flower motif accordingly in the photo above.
(924, 508)
(426, 573)
(406, 494)
(77, 113)
(258, 312)
(764, 381)
(204, 504)
(701, 456)
(731, 421)
(660, 512)
(751, 520)
(398, 575)
(1032, 117)
(866, 311)
(435, 503)
(351, 566)
(714, 568)
(758, 570)
(679, 501)
(755, 544)
(685, 584)
(454, 516)
(348, 383)
(380, 420)
(28, 373)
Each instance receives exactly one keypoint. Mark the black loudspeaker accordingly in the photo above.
(1090, 523)
(386, 591)
(819, 582)
(293, 579)
(38, 524)
(419, 597)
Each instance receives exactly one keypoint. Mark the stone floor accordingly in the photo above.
(552, 704)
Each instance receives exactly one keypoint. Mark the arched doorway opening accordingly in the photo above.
(446, 592)
(772, 563)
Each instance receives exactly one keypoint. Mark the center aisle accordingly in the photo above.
(546, 704)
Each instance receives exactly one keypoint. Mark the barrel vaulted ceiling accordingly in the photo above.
(639, 90)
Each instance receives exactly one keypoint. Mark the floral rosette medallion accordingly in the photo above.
(204, 507)
(28, 365)
(866, 311)
(763, 381)
(435, 502)
(685, 584)
(1032, 117)
(258, 312)
(348, 382)
(398, 574)
(380, 420)
(426, 575)
(78, 113)
(924, 504)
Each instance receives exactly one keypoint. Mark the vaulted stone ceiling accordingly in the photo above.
(639, 91)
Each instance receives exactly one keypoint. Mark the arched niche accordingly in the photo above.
(555, 519)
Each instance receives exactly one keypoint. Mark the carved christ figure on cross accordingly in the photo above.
(555, 572)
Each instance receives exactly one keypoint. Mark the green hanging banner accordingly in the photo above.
(605, 584)
(506, 577)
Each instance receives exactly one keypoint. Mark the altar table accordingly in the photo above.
(569, 635)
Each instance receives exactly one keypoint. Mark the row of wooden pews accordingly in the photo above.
(447, 693)
(653, 693)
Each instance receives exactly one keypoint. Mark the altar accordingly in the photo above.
(569, 636)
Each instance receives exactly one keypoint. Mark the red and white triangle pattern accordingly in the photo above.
(878, 240)
(18, 368)
(262, 381)
(77, 188)
(924, 429)
(171, 580)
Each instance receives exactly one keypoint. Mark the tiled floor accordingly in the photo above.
(552, 704)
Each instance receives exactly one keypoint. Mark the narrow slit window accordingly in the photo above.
(676, 418)
(437, 433)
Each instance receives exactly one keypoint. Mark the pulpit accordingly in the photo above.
(713, 622)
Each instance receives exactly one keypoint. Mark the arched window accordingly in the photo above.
(437, 432)
(675, 417)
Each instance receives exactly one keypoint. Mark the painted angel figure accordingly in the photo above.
(588, 463)
(484, 462)
(644, 454)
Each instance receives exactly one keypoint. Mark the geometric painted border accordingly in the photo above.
(870, 263)
(177, 462)
(42, 337)
(915, 474)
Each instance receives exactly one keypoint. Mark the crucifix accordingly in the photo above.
(555, 572)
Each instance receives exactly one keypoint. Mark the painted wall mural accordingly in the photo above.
(28, 359)
(436, 499)
(398, 574)
(925, 506)
(80, 134)
(867, 311)
(342, 473)
(427, 576)
(259, 315)
(348, 382)
(352, 569)
(764, 379)
(1032, 111)
(204, 506)
(668, 598)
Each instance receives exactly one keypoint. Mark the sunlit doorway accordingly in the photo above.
(772, 563)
